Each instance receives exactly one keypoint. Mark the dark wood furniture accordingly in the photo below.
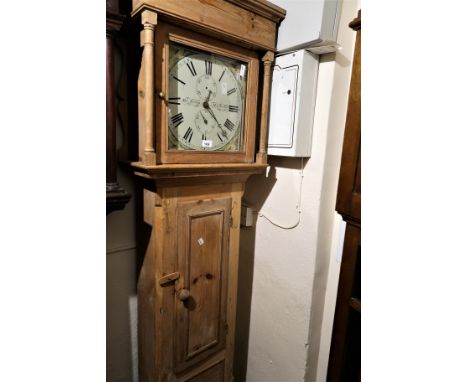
(345, 353)
(116, 196)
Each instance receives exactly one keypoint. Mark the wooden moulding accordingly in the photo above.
(263, 8)
(173, 171)
(250, 23)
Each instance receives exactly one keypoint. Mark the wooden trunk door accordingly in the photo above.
(202, 256)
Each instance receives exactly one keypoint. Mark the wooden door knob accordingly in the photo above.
(183, 294)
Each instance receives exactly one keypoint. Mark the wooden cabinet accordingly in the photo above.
(345, 353)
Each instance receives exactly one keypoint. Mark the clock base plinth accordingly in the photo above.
(187, 288)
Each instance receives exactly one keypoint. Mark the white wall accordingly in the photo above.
(290, 276)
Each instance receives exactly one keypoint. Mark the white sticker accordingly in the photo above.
(242, 71)
(200, 241)
(206, 143)
(224, 88)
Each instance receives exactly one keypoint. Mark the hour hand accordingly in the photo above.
(205, 104)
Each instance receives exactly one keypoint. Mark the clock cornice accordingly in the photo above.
(255, 27)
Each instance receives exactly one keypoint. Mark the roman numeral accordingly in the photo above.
(188, 134)
(177, 119)
(208, 67)
(192, 68)
(173, 100)
(220, 138)
(222, 74)
(203, 137)
(229, 125)
(231, 91)
(182, 82)
(233, 109)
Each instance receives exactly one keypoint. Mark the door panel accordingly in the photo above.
(200, 321)
(214, 373)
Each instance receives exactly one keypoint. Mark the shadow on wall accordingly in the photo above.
(257, 190)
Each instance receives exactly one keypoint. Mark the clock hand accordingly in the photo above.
(204, 119)
(205, 104)
(207, 107)
(219, 125)
(214, 117)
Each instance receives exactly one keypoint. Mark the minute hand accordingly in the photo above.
(219, 125)
(214, 117)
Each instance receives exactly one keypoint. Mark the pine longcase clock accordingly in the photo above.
(205, 65)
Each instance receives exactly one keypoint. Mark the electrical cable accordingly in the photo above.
(298, 206)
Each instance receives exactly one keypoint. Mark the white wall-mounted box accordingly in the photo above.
(292, 107)
(309, 24)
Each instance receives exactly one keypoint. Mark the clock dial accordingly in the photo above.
(206, 101)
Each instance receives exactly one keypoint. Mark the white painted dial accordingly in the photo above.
(205, 101)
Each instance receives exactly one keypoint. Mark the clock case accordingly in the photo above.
(166, 34)
(187, 285)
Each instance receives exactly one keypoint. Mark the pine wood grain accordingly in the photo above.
(177, 337)
(202, 259)
(149, 21)
(247, 25)
(267, 59)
